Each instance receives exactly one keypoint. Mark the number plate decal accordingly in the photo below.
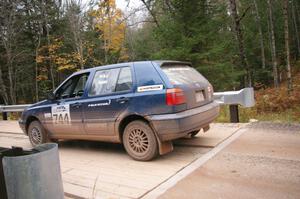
(199, 96)
(61, 114)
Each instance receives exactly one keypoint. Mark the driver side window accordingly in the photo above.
(73, 88)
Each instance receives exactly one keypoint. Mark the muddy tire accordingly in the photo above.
(37, 134)
(194, 133)
(139, 141)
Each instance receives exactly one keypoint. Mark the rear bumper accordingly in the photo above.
(173, 126)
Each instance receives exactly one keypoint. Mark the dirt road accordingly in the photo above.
(264, 162)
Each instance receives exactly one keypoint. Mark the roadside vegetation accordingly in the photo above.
(272, 104)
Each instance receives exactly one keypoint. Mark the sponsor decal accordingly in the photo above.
(150, 88)
(47, 115)
(100, 104)
(61, 114)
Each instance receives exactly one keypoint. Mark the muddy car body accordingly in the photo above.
(144, 105)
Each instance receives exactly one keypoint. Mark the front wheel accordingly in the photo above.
(37, 134)
(139, 141)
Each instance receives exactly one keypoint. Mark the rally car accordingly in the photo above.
(144, 105)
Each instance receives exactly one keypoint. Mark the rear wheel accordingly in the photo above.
(194, 133)
(139, 141)
(37, 134)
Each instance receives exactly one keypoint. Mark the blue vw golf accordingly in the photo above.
(144, 105)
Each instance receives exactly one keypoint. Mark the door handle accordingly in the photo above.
(122, 99)
(76, 105)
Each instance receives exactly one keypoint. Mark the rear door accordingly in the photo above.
(109, 95)
(197, 89)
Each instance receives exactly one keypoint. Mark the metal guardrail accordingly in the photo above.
(243, 97)
(11, 109)
(14, 108)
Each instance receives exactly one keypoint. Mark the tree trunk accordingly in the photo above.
(296, 29)
(50, 59)
(8, 38)
(3, 88)
(240, 40)
(287, 46)
(153, 15)
(297, 5)
(11, 84)
(36, 69)
(261, 38)
(45, 15)
(273, 49)
(76, 26)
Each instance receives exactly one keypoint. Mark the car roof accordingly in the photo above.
(159, 62)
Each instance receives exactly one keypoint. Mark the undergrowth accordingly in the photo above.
(272, 104)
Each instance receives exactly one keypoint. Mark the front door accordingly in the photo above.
(66, 109)
(109, 95)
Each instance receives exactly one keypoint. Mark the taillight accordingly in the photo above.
(175, 96)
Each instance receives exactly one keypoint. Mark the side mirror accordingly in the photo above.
(51, 96)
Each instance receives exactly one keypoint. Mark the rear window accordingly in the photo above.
(182, 74)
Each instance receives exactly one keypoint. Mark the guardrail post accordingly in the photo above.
(4, 115)
(234, 113)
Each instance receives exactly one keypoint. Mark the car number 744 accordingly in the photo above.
(61, 114)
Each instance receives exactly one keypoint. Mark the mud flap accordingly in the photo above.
(206, 128)
(165, 147)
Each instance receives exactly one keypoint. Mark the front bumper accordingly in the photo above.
(22, 126)
(173, 126)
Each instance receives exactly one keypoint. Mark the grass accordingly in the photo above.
(291, 115)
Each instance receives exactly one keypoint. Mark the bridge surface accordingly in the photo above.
(258, 160)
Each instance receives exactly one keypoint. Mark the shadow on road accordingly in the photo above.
(91, 145)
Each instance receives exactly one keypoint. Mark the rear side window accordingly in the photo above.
(146, 75)
(182, 74)
(125, 80)
(104, 82)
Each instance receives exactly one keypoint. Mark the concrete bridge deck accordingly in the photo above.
(211, 165)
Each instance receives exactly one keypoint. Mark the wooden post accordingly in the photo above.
(234, 113)
(4, 115)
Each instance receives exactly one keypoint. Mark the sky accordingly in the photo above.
(122, 4)
(129, 8)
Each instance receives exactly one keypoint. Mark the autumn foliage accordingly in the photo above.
(111, 26)
(277, 99)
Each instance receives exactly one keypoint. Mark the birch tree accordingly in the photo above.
(111, 26)
(261, 38)
(294, 16)
(240, 39)
(287, 46)
(273, 45)
(8, 34)
(75, 19)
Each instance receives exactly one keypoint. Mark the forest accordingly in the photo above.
(234, 43)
